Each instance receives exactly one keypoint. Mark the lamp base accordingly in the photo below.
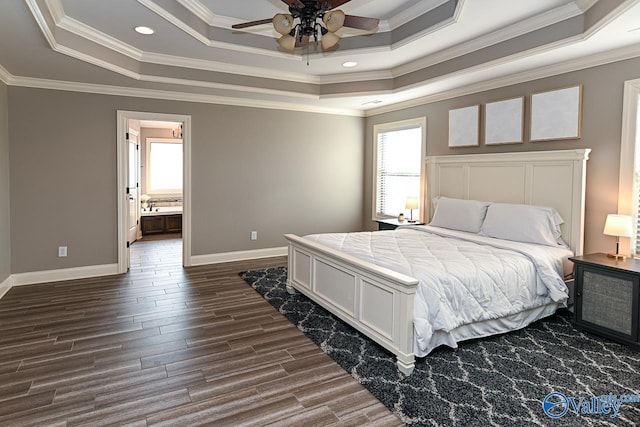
(617, 256)
(412, 221)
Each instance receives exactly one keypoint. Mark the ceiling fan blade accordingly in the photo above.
(334, 3)
(292, 2)
(302, 42)
(252, 23)
(361, 22)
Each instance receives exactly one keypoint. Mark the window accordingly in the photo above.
(399, 151)
(164, 166)
(629, 188)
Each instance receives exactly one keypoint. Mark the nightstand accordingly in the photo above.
(607, 297)
(393, 223)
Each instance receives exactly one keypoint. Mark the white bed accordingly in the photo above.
(378, 292)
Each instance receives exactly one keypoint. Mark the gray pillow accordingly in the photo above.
(458, 214)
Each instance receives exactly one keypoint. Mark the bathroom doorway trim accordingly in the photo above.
(123, 118)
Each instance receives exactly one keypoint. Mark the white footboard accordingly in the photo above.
(376, 301)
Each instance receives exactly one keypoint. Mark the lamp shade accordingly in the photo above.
(283, 23)
(329, 40)
(412, 203)
(618, 225)
(287, 42)
(333, 20)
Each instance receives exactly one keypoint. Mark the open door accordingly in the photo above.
(133, 188)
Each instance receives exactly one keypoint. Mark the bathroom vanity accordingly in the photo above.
(161, 220)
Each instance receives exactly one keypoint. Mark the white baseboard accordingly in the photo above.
(5, 286)
(34, 277)
(238, 256)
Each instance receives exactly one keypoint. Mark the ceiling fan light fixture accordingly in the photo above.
(283, 23)
(334, 20)
(287, 42)
(329, 40)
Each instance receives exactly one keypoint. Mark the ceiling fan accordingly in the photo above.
(312, 18)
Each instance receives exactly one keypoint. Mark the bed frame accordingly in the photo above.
(379, 302)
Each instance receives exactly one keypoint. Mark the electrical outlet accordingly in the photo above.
(62, 251)
(254, 235)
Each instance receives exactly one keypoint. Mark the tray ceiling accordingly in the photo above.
(425, 49)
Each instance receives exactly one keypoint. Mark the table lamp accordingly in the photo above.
(618, 226)
(412, 203)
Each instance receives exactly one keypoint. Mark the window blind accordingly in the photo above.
(636, 188)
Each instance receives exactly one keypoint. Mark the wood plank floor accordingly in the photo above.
(164, 345)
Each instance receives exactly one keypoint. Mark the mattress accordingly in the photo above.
(469, 285)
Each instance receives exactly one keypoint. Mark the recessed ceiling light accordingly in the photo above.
(374, 102)
(144, 30)
(634, 30)
(349, 64)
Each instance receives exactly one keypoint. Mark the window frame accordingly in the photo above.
(164, 192)
(420, 122)
(628, 191)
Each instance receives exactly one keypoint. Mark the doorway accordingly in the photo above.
(129, 178)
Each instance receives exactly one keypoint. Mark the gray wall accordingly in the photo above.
(601, 131)
(252, 169)
(5, 226)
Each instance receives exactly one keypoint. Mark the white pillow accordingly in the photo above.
(458, 214)
(523, 223)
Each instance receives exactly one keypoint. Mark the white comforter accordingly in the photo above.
(463, 278)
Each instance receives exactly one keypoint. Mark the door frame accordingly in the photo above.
(123, 118)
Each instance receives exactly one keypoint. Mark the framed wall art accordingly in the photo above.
(556, 114)
(504, 122)
(464, 126)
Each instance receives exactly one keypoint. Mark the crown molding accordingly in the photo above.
(96, 61)
(518, 29)
(590, 61)
(356, 77)
(89, 33)
(244, 70)
(205, 39)
(86, 32)
(42, 22)
(429, 30)
(56, 10)
(610, 17)
(409, 14)
(543, 72)
(5, 76)
(198, 9)
(81, 30)
(175, 96)
(176, 81)
(585, 5)
(175, 21)
(223, 86)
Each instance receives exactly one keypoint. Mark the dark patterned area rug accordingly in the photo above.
(499, 381)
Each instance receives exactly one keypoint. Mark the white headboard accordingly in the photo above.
(543, 178)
